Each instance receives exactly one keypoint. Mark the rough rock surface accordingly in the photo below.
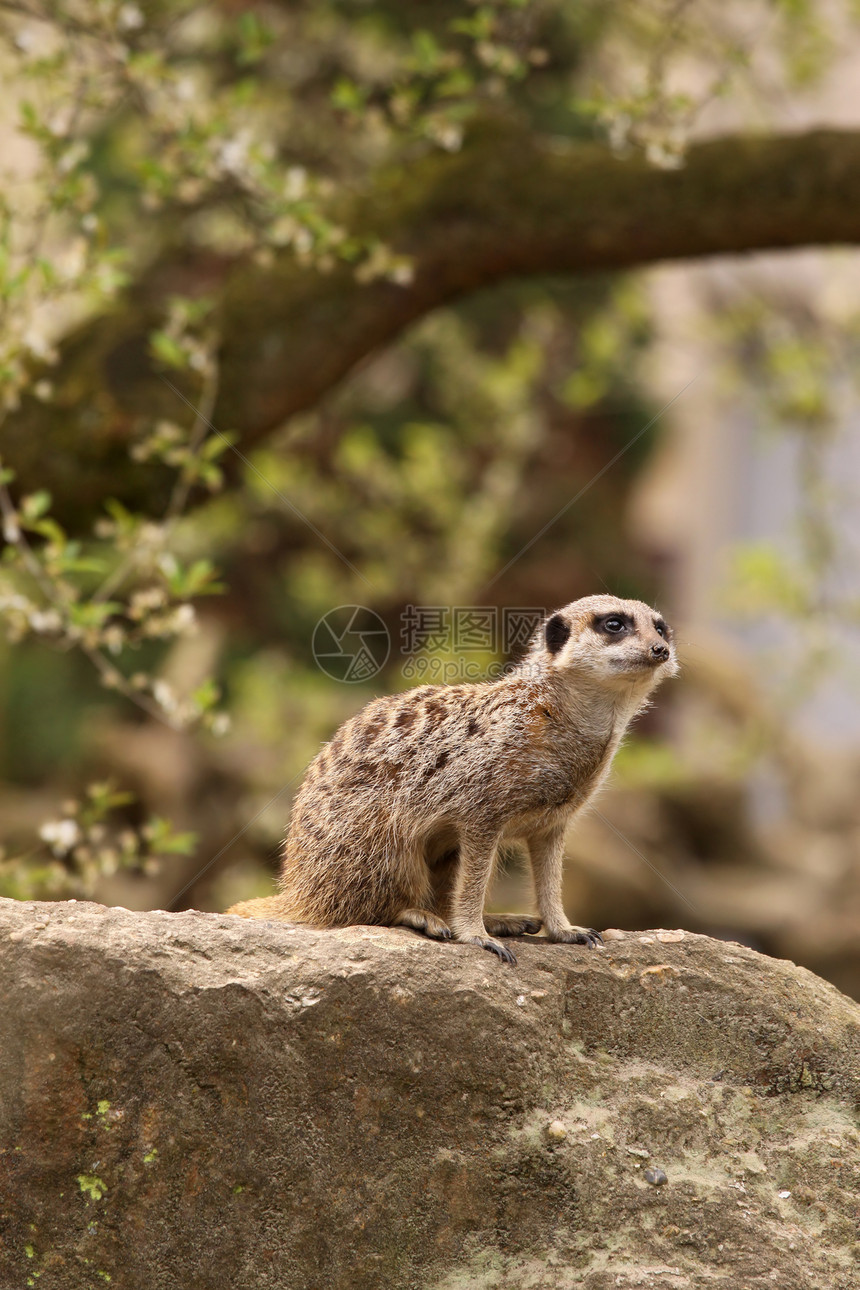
(200, 1101)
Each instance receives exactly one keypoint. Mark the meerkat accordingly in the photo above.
(399, 819)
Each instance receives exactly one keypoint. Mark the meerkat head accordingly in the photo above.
(614, 642)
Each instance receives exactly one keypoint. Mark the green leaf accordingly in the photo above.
(50, 530)
(30, 122)
(162, 839)
(254, 38)
(215, 445)
(126, 523)
(426, 52)
(35, 504)
(206, 695)
(168, 350)
(92, 615)
(200, 579)
(105, 796)
(348, 96)
(82, 564)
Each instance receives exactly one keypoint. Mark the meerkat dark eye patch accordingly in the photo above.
(557, 633)
(662, 628)
(613, 624)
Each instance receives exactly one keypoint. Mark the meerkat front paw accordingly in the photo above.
(512, 924)
(575, 936)
(495, 947)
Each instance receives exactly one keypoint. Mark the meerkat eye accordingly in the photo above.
(614, 625)
(661, 628)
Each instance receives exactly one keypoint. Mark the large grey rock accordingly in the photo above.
(196, 1101)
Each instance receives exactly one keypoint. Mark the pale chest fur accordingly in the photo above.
(566, 760)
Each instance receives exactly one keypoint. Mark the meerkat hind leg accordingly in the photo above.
(421, 920)
(512, 924)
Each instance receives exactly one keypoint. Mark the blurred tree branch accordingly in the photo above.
(508, 205)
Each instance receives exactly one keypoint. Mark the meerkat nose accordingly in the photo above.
(660, 651)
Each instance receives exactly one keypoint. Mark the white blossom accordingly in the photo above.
(303, 240)
(38, 344)
(61, 835)
(449, 136)
(233, 153)
(619, 131)
(185, 619)
(145, 599)
(14, 600)
(11, 529)
(113, 638)
(151, 535)
(164, 696)
(130, 17)
(58, 124)
(185, 89)
(45, 620)
(402, 274)
(296, 183)
(73, 156)
(664, 156)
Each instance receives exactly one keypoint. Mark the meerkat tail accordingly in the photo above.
(270, 907)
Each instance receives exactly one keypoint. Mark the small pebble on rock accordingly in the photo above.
(655, 1176)
(556, 1131)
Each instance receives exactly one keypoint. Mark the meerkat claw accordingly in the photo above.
(495, 947)
(589, 938)
(578, 936)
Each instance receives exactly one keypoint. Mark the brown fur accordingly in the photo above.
(399, 819)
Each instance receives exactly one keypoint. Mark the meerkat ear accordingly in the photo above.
(557, 633)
